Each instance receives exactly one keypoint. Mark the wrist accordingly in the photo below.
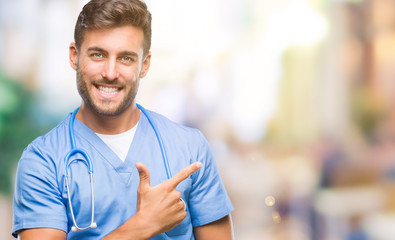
(143, 227)
(136, 228)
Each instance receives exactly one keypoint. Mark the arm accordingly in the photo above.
(209, 202)
(38, 211)
(42, 234)
(135, 228)
(221, 229)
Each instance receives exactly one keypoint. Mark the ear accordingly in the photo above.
(73, 56)
(146, 65)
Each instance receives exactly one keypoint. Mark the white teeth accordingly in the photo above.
(108, 90)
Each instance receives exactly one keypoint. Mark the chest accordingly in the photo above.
(114, 185)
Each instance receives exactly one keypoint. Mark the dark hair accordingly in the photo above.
(104, 14)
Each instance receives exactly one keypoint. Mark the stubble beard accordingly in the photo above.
(102, 109)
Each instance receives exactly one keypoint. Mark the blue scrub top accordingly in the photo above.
(41, 201)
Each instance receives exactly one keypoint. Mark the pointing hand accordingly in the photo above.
(161, 206)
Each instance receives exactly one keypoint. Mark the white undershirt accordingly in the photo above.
(119, 143)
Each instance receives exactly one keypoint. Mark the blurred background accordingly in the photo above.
(296, 97)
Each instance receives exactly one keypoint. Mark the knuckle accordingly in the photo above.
(183, 215)
(187, 172)
(184, 173)
(169, 188)
(177, 194)
(141, 190)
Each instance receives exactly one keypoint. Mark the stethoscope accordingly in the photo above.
(74, 150)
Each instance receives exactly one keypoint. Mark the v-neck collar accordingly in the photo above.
(123, 168)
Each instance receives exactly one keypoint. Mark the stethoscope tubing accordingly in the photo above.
(88, 162)
(160, 140)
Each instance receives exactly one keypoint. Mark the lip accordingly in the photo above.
(108, 91)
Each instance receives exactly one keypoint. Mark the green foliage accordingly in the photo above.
(17, 128)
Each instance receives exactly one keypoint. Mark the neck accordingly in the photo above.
(109, 124)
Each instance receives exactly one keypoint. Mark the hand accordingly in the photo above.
(160, 206)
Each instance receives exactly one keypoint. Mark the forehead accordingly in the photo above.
(114, 39)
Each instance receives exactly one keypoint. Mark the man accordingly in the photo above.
(131, 196)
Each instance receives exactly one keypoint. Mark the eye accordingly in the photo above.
(97, 55)
(127, 59)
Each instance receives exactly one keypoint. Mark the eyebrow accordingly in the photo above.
(128, 53)
(123, 53)
(95, 49)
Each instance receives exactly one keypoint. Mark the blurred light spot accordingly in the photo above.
(276, 217)
(298, 24)
(270, 201)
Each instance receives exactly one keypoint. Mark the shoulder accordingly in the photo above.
(50, 145)
(177, 129)
(55, 133)
(182, 140)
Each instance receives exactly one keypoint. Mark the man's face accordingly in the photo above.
(109, 66)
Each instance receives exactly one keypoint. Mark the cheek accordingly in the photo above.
(131, 74)
(92, 70)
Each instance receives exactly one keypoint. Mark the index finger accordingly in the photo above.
(184, 173)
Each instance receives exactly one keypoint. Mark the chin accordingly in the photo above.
(112, 111)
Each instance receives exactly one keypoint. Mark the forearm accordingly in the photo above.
(222, 229)
(134, 229)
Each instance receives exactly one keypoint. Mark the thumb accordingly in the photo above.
(145, 182)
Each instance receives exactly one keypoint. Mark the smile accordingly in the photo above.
(108, 90)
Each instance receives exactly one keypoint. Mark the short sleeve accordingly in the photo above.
(37, 199)
(208, 200)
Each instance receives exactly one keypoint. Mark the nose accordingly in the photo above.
(110, 71)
